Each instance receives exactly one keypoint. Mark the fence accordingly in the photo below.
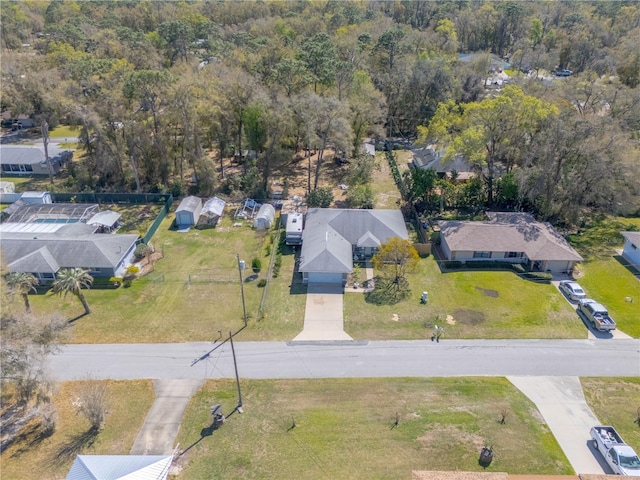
(156, 223)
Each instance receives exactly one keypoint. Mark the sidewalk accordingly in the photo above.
(158, 434)
(561, 402)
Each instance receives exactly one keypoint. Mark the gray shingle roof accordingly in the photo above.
(329, 235)
(26, 155)
(25, 252)
(509, 233)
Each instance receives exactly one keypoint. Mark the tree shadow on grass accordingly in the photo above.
(78, 317)
(388, 291)
(74, 446)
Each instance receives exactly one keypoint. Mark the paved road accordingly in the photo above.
(419, 358)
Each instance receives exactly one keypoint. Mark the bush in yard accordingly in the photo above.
(256, 265)
(262, 283)
(142, 250)
(276, 265)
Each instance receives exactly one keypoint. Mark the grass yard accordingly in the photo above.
(344, 428)
(384, 187)
(127, 404)
(616, 401)
(603, 274)
(23, 183)
(470, 304)
(164, 306)
(64, 131)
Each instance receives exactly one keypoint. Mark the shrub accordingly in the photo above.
(542, 277)
(256, 265)
(262, 283)
(141, 251)
(276, 265)
(452, 264)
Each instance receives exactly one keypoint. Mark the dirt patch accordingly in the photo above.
(450, 320)
(451, 435)
(488, 292)
(469, 317)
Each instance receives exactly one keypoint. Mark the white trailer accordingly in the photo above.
(293, 234)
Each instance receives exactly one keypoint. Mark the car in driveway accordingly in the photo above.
(572, 290)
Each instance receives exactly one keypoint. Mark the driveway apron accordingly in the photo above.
(561, 402)
(158, 434)
(323, 316)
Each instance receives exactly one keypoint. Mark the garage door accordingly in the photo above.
(317, 277)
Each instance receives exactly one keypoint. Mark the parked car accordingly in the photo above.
(618, 455)
(572, 290)
(596, 315)
(564, 72)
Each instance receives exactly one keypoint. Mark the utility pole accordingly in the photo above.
(235, 366)
(241, 265)
(44, 128)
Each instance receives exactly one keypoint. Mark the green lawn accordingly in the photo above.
(383, 186)
(127, 406)
(616, 401)
(165, 306)
(64, 131)
(480, 304)
(344, 428)
(603, 274)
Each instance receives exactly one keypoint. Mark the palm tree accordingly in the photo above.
(73, 280)
(22, 283)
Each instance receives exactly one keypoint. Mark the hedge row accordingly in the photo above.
(518, 268)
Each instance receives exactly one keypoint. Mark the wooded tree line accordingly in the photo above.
(162, 91)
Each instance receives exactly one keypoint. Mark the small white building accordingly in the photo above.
(36, 197)
(265, 217)
(188, 212)
(631, 251)
(211, 213)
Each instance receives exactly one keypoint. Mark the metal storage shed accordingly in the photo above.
(211, 213)
(188, 212)
(265, 217)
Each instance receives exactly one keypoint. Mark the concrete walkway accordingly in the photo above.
(561, 402)
(158, 434)
(323, 315)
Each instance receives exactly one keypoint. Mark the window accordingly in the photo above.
(513, 255)
(481, 254)
(47, 276)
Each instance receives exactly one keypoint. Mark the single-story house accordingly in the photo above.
(430, 158)
(120, 467)
(211, 213)
(188, 212)
(28, 160)
(70, 245)
(332, 238)
(631, 249)
(508, 237)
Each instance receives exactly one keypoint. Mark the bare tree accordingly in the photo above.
(92, 403)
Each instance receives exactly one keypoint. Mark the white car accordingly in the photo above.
(572, 290)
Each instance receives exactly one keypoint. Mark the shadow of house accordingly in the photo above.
(508, 237)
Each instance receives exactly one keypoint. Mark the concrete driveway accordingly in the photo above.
(323, 316)
(591, 333)
(158, 434)
(561, 402)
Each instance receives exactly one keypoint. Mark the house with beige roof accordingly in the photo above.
(508, 237)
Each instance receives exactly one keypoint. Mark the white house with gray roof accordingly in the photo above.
(508, 237)
(631, 249)
(332, 238)
(28, 160)
(71, 245)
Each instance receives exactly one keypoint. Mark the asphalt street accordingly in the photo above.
(418, 358)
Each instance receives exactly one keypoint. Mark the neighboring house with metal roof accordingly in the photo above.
(188, 212)
(28, 160)
(631, 250)
(508, 237)
(430, 158)
(332, 238)
(120, 467)
(71, 245)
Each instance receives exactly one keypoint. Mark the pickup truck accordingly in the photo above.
(596, 315)
(618, 455)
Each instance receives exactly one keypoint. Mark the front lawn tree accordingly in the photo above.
(394, 260)
(320, 197)
(22, 283)
(73, 280)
